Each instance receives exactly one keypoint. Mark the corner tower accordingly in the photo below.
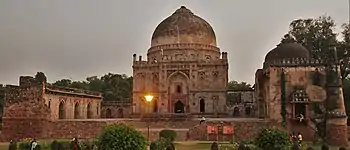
(185, 71)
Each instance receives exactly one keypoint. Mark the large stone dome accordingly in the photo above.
(287, 51)
(183, 27)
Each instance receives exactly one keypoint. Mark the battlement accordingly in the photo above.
(294, 62)
(28, 81)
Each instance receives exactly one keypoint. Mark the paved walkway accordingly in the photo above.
(160, 129)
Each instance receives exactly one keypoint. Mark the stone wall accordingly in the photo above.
(115, 109)
(25, 113)
(87, 129)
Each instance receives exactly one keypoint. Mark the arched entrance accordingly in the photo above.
(120, 113)
(155, 105)
(89, 111)
(179, 107)
(202, 106)
(76, 111)
(108, 113)
(247, 111)
(61, 111)
(236, 112)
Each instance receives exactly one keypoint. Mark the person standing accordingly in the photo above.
(33, 144)
(300, 138)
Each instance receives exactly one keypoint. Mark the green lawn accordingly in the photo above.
(192, 145)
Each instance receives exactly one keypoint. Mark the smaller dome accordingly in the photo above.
(287, 51)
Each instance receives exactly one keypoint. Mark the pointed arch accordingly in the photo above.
(76, 111)
(108, 113)
(179, 107)
(89, 111)
(120, 113)
(61, 111)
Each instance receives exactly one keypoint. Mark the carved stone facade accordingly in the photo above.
(242, 103)
(293, 82)
(184, 71)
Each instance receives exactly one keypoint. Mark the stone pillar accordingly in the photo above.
(336, 118)
(134, 58)
(336, 124)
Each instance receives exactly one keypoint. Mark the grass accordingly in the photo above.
(190, 145)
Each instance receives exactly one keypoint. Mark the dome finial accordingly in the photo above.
(184, 7)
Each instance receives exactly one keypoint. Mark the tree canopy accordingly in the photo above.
(318, 35)
(114, 87)
(239, 86)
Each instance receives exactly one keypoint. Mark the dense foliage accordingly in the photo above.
(114, 87)
(121, 137)
(239, 86)
(162, 144)
(273, 139)
(168, 134)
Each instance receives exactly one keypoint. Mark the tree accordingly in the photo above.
(63, 83)
(318, 36)
(121, 137)
(114, 87)
(239, 86)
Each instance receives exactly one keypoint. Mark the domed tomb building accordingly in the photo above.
(291, 86)
(185, 71)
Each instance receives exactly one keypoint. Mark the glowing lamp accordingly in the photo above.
(148, 98)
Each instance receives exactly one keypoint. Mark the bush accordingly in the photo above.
(86, 145)
(121, 137)
(324, 147)
(162, 144)
(13, 145)
(272, 139)
(60, 145)
(168, 134)
(310, 148)
(24, 145)
(55, 145)
(242, 147)
(214, 146)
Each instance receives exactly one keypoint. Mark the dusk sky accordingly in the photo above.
(74, 39)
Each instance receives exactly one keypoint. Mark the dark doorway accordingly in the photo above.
(300, 109)
(89, 111)
(179, 89)
(108, 113)
(76, 111)
(236, 112)
(247, 111)
(120, 113)
(179, 107)
(62, 111)
(202, 106)
(155, 105)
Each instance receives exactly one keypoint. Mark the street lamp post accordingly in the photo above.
(148, 99)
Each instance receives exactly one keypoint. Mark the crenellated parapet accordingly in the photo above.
(294, 62)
